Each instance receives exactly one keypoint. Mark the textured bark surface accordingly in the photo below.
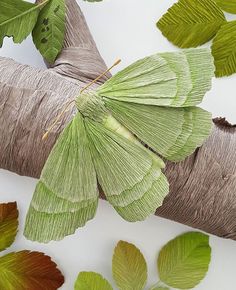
(203, 187)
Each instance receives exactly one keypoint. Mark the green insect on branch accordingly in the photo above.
(201, 187)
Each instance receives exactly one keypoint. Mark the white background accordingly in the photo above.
(122, 29)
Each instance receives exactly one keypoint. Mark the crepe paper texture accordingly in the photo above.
(182, 263)
(154, 99)
(129, 267)
(18, 18)
(159, 288)
(190, 23)
(49, 31)
(227, 5)
(8, 224)
(91, 281)
(224, 50)
(46, 21)
(25, 269)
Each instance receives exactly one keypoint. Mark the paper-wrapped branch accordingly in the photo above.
(201, 187)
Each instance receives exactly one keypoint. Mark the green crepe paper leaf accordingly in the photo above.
(129, 267)
(17, 19)
(227, 5)
(49, 31)
(183, 262)
(91, 281)
(29, 270)
(224, 50)
(8, 224)
(190, 23)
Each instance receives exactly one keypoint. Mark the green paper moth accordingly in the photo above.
(148, 107)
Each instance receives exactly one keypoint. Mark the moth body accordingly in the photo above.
(92, 106)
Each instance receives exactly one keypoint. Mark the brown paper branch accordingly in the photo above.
(202, 188)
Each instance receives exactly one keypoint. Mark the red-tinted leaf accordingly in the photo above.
(8, 224)
(27, 270)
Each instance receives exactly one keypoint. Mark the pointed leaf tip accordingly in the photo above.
(91, 281)
(31, 270)
(129, 267)
(8, 224)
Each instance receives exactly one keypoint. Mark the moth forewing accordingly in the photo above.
(66, 195)
(175, 79)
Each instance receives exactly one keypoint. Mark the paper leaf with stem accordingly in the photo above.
(227, 5)
(49, 31)
(8, 224)
(190, 23)
(18, 18)
(129, 267)
(29, 270)
(224, 50)
(91, 281)
(183, 262)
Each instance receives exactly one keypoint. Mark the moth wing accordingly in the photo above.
(174, 133)
(66, 195)
(175, 79)
(128, 173)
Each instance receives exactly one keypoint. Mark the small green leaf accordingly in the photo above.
(129, 267)
(190, 23)
(8, 224)
(91, 281)
(29, 270)
(227, 5)
(224, 50)
(17, 19)
(183, 262)
(49, 31)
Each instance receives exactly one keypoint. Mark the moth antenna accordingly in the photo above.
(101, 75)
(57, 119)
(67, 105)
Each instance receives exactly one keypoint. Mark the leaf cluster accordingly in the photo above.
(44, 19)
(182, 263)
(25, 269)
(190, 23)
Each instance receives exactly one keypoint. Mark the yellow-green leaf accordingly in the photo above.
(227, 5)
(17, 19)
(129, 267)
(190, 23)
(91, 281)
(8, 224)
(224, 50)
(183, 262)
(49, 31)
(29, 270)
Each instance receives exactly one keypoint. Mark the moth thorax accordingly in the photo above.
(92, 106)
